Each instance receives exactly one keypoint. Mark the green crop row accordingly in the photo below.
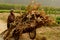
(7, 11)
(58, 20)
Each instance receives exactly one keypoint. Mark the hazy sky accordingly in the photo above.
(55, 3)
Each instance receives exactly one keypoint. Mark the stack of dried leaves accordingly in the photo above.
(27, 23)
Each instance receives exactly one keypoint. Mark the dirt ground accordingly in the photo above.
(51, 33)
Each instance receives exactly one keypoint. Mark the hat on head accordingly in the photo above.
(12, 10)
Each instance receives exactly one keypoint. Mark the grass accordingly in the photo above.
(7, 11)
(18, 11)
(58, 20)
(49, 33)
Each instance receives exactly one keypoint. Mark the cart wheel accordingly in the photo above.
(32, 34)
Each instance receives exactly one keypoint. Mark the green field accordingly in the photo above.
(7, 11)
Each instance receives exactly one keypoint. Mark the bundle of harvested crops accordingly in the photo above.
(28, 23)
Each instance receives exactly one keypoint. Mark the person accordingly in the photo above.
(11, 18)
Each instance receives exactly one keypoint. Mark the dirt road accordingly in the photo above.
(2, 26)
(51, 33)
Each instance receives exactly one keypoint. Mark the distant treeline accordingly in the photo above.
(22, 7)
(17, 7)
(11, 6)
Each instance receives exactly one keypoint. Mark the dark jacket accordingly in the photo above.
(10, 19)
